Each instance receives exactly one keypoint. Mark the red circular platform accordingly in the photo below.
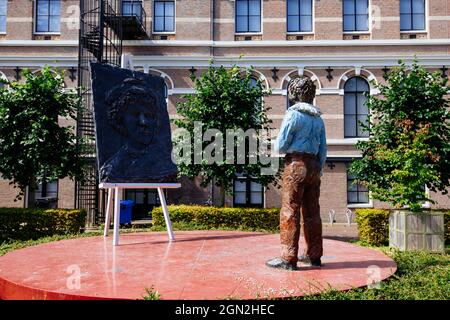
(197, 265)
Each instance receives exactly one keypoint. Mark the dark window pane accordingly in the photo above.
(350, 85)
(255, 187)
(55, 8)
(239, 198)
(362, 23)
(361, 104)
(54, 24)
(292, 7)
(349, 103)
(349, 23)
(254, 24)
(361, 84)
(362, 7)
(305, 23)
(361, 131)
(352, 186)
(418, 22)
(349, 7)
(169, 25)
(241, 24)
(42, 24)
(418, 6)
(240, 185)
(170, 9)
(405, 6)
(241, 7)
(2, 24)
(352, 197)
(42, 8)
(405, 22)
(159, 8)
(254, 7)
(256, 198)
(293, 23)
(159, 24)
(306, 7)
(350, 126)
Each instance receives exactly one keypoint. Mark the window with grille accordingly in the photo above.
(164, 16)
(248, 16)
(356, 15)
(247, 193)
(412, 15)
(48, 16)
(299, 15)
(356, 193)
(356, 112)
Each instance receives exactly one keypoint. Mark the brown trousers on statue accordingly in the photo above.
(301, 192)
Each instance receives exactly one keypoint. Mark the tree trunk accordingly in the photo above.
(30, 196)
(222, 195)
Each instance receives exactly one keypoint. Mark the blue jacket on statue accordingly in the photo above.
(303, 130)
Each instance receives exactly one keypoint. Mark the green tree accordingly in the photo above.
(225, 99)
(33, 144)
(409, 144)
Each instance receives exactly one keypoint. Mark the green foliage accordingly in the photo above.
(25, 224)
(420, 276)
(152, 294)
(373, 226)
(224, 99)
(409, 145)
(33, 145)
(216, 217)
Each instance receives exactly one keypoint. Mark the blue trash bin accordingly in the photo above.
(126, 207)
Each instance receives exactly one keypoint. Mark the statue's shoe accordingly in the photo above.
(279, 263)
(313, 263)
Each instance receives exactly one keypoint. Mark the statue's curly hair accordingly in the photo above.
(131, 90)
(301, 90)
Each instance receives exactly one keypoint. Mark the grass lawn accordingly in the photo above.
(420, 275)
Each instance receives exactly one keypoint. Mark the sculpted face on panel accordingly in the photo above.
(133, 137)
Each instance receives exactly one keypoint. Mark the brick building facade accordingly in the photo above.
(343, 45)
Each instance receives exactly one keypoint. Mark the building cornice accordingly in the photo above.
(284, 43)
(238, 44)
(291, 62)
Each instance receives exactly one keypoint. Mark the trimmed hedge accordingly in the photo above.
(31, 224)
(373, 226)
(216, 217)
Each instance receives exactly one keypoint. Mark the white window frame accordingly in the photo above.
(261, 21)
(427, 21)
(174, 19)
(35, 20)
(313, 23)
(369, 30)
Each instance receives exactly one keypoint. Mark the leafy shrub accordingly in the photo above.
(216, 217)
(373, 226)
(27, 224)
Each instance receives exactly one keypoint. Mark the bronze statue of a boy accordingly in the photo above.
(302, 139)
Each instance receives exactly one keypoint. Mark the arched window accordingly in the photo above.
(355, 109)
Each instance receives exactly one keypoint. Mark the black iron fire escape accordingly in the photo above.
(103, 26)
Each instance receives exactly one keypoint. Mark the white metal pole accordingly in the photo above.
(166, 213)
(117, 198)
(109, 207)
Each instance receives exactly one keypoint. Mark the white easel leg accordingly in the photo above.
(117, 198)
(166, 213)
(109, 207)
